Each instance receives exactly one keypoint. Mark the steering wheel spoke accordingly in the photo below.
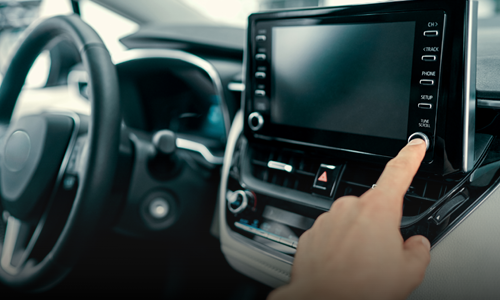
(17, 245)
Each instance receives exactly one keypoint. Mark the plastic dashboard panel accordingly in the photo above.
(243, 254)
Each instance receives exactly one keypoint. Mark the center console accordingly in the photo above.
(331, 95)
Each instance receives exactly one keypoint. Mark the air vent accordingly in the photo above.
(422, 193)
(299, 171)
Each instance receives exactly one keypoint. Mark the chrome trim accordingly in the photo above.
(425, 106)
(138, 54)
(470, 52)
(236, 87)
(232, 198)
(431, 33)
(260, 75)
(429, 58)
(426, 82)
(276, 165)
(260, 38)
(200, 148)
(260, 121)
(483, 103)
(260, 56)
(328, 166)
(260, 93)
(423, 136)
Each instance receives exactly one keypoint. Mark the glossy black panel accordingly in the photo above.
(353, 78)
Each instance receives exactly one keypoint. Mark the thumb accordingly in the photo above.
(417, 250)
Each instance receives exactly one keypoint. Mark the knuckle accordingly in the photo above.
(343, 202)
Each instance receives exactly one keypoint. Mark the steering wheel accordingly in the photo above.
(56, 169)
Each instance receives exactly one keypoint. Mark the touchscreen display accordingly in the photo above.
(352, 78)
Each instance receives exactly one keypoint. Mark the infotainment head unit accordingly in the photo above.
(362, 80)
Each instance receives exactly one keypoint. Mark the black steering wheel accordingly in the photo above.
(56, 169)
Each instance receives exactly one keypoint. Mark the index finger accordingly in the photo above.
(399, 172)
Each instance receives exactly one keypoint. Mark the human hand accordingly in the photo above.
(356, 251)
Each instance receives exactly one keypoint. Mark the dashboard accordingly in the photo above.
(259, 240)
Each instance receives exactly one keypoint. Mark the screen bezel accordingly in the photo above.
(364, 144)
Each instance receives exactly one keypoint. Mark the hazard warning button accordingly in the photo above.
(326, 177)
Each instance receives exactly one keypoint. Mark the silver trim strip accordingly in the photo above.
(201, 149)
(483, 103)
(470, 52)
(138, 54)
(276, 165)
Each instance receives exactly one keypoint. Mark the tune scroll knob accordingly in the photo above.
(240, 200)
(420, 135)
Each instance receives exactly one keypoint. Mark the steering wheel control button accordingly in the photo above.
(260, 38)
(429, 58)
(420, 135)
(238, 201)
(17, 151)
(255, 121)
(431, 33)
(325, 180)
(427, 82)
(260, 57)
(260, 75)
(425, 106)
(159, 208)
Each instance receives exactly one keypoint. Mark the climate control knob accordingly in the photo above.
(420, 135)
(238, 201)
(255, 121)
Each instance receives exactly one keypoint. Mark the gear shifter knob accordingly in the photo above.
(165, 142)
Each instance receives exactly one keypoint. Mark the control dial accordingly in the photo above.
(255, 121)
(420, 135)
(238, 201)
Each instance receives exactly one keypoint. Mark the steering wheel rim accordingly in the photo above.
(96, 176)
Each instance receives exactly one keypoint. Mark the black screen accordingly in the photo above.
(352, 78)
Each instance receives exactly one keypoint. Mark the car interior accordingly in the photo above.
(186, 157)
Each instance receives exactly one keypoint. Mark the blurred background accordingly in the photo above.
(114, 19)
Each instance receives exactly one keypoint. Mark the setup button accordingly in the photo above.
(325, 179)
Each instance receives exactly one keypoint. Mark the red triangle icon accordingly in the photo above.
(323, 177)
